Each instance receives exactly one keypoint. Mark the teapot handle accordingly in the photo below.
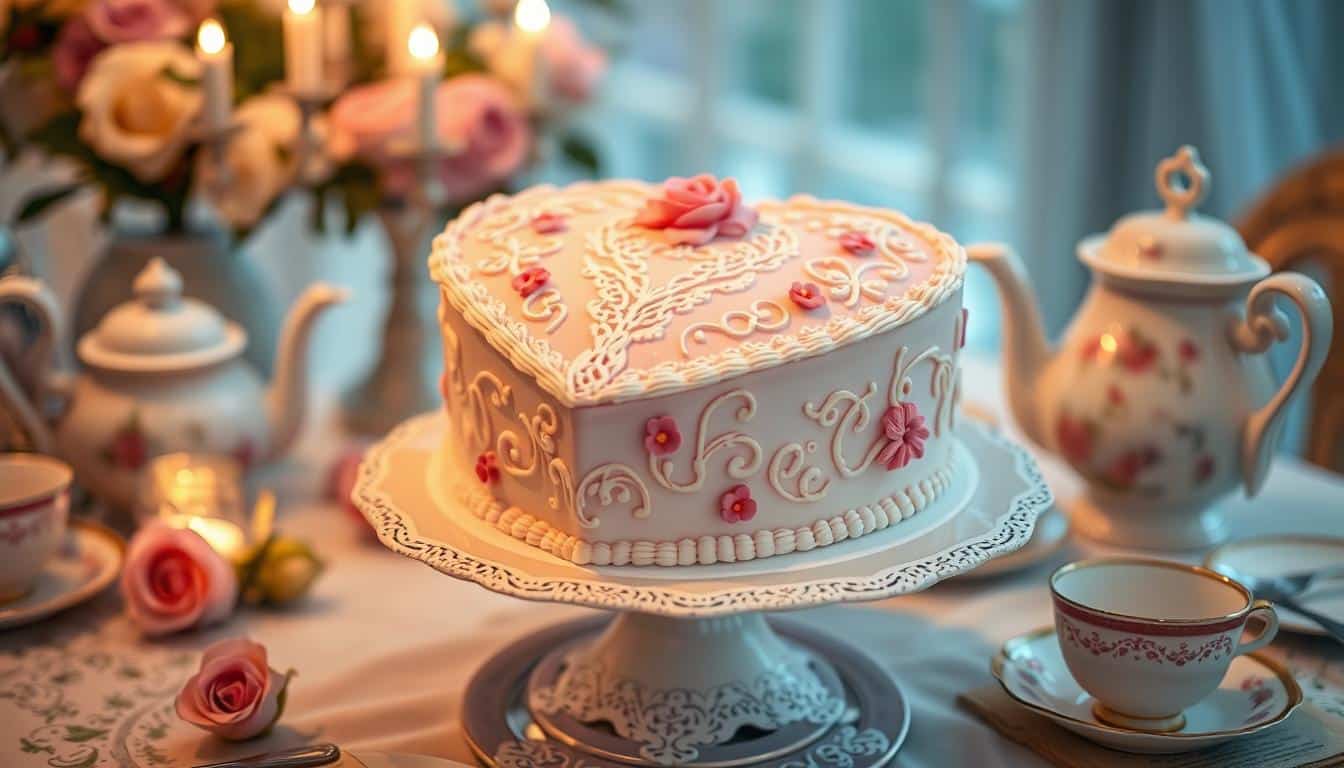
(1265, 324)
(27, 406)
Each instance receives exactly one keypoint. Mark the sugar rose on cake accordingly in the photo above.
(675, 375)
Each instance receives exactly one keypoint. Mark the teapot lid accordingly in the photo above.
(160, 329)
(1176, 245)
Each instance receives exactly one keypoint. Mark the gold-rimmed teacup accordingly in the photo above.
(1148, 638)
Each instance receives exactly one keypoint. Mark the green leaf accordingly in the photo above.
(580, 152)
(615, 7)
(168, 73)
(33, 748)
(79, 734)
(84, 757)
(36, 205)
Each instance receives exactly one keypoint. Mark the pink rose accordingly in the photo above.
(235, 694)
(129, 21)
(476, 114)
(173, 581)
(573, 67)
(75, 48)
(806, 295)
(695, 211)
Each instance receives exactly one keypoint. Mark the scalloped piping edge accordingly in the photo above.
(707, 550)
(486, 313)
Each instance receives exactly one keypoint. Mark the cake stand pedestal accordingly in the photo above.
(691, 671)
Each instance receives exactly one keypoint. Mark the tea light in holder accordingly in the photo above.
(203, 492)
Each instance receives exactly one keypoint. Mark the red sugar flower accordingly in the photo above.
(661, 436)
(529, 280)
(737, 506)
(905, 431)
(548, 223)
(1075, 439)
(857, 243)
(806, 295)
(1188, 351)
(487, 468)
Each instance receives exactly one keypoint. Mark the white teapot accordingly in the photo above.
(1159, 394)
(163, 373)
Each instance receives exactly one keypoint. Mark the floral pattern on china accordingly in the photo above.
(1157, 395)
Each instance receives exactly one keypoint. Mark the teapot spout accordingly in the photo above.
(287, 398)
(1026, 352)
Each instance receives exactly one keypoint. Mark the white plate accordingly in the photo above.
(1256, 694)
(412, 519)
(85, 565)
(1052, 530)
(1277, 555)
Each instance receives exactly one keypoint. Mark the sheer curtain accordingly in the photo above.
(1113, 87)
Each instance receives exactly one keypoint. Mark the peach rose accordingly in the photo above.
(695, 211)
(235, 694)
(173, 581)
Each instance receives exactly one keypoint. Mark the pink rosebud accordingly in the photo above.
(661, 436)
(573, 67)
(529, 280)
(857, 243)
(129, 21)
(487, 468)
(341, 483)
(737, 506)
(173, 581)
(1189, 351)
(903, 426)
(547, 223)
(235, 694)
(695, 211)
(806, 295)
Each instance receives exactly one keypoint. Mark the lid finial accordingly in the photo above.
(158, 285)
(1182, 195)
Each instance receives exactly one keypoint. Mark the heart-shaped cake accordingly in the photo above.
(642, 374)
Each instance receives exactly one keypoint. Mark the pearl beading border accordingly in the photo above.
(705, 550)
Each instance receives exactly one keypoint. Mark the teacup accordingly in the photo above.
(34, 507)
(1148, 638)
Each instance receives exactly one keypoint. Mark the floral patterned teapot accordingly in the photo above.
(1160, 395)
(163, 373)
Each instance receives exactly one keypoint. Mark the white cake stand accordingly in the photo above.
(690, 672)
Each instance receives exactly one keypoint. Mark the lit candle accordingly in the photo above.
(216, 56)
(303, 47)
(531, 18)
(423, 46)
(203, 492)
(402, 16)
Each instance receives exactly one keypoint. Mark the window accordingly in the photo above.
(899, 103)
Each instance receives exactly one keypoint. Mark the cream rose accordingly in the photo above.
(136, 108)
(258, 163)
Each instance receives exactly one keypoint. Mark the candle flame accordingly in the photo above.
(302, 7)
(210, 37)
(1109, 343)
(532, 15)
(422, 42)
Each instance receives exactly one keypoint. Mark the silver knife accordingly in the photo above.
(331, 755)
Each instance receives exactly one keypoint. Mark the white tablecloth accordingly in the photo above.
(385, 645)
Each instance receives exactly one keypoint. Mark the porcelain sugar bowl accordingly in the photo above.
(161, 373)
(1160, 395)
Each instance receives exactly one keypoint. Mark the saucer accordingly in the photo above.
(1277, 555)
(1052, 530)
(88, 561)
(1256, 694)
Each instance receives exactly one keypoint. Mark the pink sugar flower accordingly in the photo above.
(857, 243)
(695, 211)
(548, 223)
(806, 295)
(529, 280)
(487, 468)
(661, 436)
(737, 506)
(905, 432)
